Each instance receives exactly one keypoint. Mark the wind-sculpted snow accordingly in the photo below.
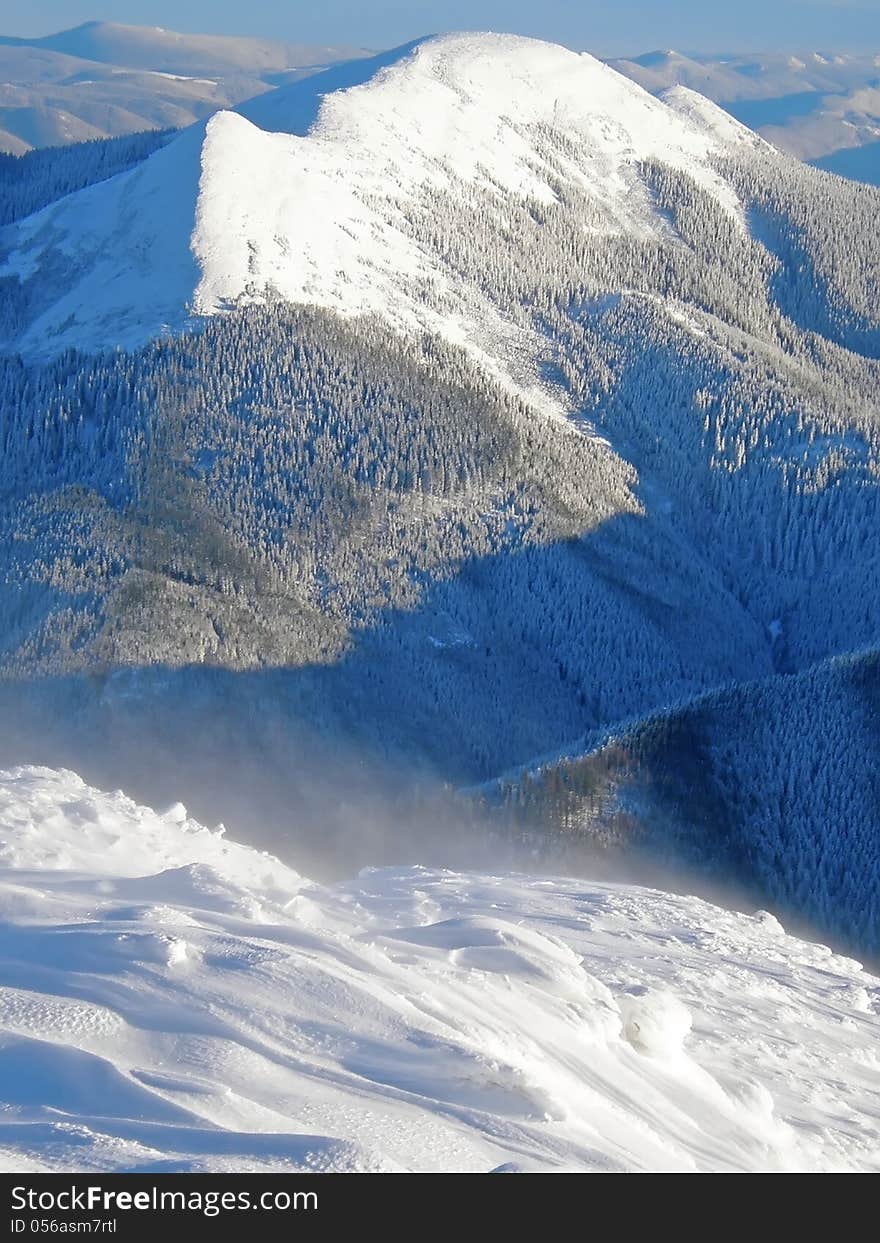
(172, 1001)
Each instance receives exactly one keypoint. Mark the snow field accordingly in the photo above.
(173, 1001)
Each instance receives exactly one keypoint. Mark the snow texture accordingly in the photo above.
(173, 1001)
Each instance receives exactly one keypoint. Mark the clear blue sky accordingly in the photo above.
(603, 26)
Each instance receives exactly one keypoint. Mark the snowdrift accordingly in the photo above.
(173, 1001)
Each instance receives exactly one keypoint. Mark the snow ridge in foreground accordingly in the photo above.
(173, 1001)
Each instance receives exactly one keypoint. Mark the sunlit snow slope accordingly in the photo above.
(173, 1001)
(302, 193)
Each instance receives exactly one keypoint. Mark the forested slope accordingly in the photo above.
(429, 459)
(767, 788)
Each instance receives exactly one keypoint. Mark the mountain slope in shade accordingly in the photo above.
(858, 163)
(170, 1000)
(730, 785)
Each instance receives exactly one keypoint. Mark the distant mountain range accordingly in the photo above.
(821, 108)
(103, 79)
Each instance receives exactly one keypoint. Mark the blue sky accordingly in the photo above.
(604, 26)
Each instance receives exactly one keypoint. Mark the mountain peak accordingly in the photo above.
(305, 200)
(658, 57)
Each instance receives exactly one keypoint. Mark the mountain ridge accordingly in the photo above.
(375, 153)
(823, 109)
(142, 47)
(61, 89)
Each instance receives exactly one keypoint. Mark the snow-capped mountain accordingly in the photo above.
(304, 193)
(475, 406)
(170, 1001)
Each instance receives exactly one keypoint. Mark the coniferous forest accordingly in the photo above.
(314, 563)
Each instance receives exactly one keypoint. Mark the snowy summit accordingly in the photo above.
(302, 193)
